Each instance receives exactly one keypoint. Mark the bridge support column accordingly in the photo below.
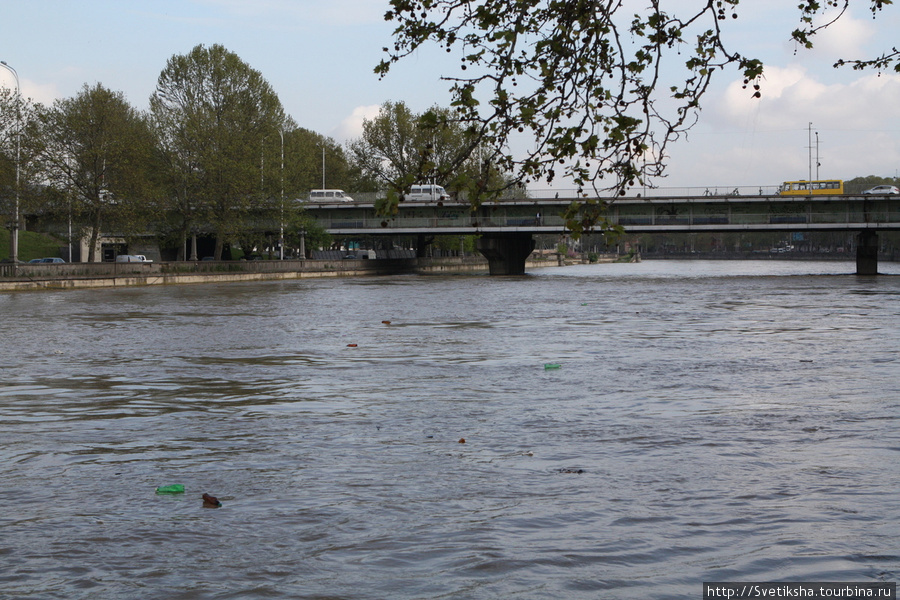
(506, 253)
(867, 253)
(421, 246)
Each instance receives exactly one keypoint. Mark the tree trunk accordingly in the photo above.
(182, 246)
(92, 248)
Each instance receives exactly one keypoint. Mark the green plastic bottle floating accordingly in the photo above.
(170, 489)
(551, 366)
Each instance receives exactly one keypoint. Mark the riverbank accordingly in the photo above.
(106, 275)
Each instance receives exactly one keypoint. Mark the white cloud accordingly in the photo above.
(43, 93)
(6, 79)
(741, 141)
(792, 95)
(738, 98)
(351, 127)
(844, 38)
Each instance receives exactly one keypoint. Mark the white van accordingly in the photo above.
(427, 193)
(329, 196)
(130, 258)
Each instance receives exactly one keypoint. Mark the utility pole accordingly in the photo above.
(810, 148)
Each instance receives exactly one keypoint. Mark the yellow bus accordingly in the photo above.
(828, 187)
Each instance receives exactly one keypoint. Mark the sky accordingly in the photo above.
(319, 57)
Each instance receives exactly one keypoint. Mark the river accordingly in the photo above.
(411, 437)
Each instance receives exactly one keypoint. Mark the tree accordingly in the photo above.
(96, 154)
(18, 126)
(19, 169)
(306, 153)
(858, 184)
(391, 149)
(286, 181)
(10, 124)
(301, 227)
(219, 122)
(399, 148)
(590, 85)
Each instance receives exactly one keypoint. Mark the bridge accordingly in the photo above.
(506, 227)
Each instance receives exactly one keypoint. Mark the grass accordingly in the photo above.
(31, 245)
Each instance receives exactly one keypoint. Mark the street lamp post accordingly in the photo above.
(14, 233)
(281, 224)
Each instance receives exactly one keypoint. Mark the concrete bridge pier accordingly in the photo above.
(506, 253)
(867, 253)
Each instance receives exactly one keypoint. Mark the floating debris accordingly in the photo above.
(386, 322)
(570, 470)
(352, 345)
(170, 489)
(551, 366)
(462, 440)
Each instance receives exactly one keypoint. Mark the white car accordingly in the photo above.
(883, 189)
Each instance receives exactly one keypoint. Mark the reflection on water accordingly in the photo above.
(710, 421)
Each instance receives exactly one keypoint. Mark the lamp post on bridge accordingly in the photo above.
(14, 232)
(323, 163)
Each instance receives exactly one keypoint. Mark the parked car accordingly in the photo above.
(52, 260)
(883, 189)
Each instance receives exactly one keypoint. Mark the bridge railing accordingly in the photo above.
(643, 192)
(661, 192)
(640, 191)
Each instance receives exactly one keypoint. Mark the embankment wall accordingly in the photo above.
(100, 275)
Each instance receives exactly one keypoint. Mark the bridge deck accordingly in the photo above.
(636, 215)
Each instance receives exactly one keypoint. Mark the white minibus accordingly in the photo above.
(329, 196)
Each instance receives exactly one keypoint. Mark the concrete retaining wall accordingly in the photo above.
(98, 275)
